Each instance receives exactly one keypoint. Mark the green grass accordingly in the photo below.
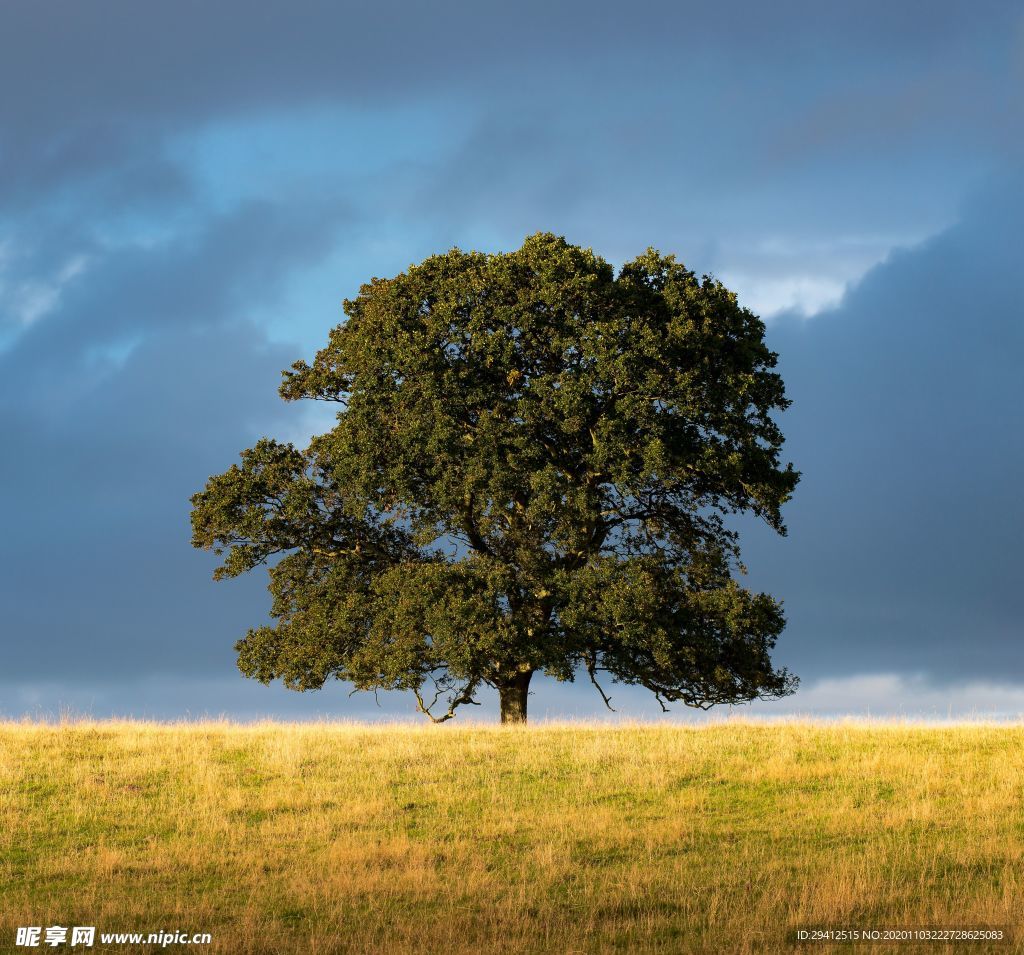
(554, 838)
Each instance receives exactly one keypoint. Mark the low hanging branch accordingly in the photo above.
(464, 697)
(592, 671)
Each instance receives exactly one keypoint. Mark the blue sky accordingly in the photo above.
(188, 191)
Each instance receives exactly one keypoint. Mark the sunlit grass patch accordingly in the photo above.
(550, 838)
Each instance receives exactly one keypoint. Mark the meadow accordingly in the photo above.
(562, 838)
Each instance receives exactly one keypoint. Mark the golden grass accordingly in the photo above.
(558, 838)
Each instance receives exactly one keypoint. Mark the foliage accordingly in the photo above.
(532, 467)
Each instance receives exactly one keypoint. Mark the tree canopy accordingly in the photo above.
(533, 465)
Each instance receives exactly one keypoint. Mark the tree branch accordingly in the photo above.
(466, 696)
(592, 671)
(474, 537)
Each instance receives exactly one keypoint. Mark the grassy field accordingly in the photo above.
(284, 838)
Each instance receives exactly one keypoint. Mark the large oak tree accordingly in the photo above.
(532, 470)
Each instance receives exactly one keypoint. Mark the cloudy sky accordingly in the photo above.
(189, 190)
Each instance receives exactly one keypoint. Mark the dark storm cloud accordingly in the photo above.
(200, 277)
(818, 131)
(145, 379)
(99, 579)
(91, 87)
(134, 295)
(122, 168)
(903, 553)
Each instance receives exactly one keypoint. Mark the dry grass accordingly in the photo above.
(554, 838)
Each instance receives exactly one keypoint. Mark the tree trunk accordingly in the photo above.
(513, 698)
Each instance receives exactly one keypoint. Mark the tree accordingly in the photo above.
(532, 467)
